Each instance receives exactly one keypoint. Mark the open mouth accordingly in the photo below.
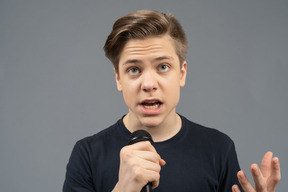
(151, 104)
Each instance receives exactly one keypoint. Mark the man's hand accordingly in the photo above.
(265, 179)
(139, 164)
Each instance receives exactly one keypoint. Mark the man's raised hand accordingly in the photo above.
(265, 179)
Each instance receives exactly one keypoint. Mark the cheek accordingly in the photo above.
(129, 93)
(175, 94)
(126, 98)
(173, 91)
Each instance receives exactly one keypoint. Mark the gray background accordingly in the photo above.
(56, 86)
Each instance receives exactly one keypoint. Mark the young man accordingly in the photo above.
(148, 50)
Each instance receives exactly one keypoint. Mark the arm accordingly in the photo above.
(139, 164)
(265, 179)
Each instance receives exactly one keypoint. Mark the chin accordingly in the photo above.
(151, 121)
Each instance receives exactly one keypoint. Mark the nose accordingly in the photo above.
(149, 81)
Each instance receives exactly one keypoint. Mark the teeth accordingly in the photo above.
(155, 106)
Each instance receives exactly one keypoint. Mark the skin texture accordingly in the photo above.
(266, 178)
(149, 70)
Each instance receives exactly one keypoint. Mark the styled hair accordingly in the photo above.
(140, 25)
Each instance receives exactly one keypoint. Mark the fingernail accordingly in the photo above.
(275, 161)
(255, 168)
(241, 175)
(235, 188)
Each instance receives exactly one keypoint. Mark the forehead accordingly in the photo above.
(156, 46)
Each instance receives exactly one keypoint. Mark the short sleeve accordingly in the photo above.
(78, 171)
(230, 167)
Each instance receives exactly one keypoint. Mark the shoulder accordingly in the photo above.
(207, 135)
(100, 138)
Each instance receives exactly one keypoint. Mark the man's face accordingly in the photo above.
(150, 79)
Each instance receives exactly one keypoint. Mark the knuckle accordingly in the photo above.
(157, 176)
(154, 157)
(138, 173)
(126, 154)
(158, 168)
(244, 182)
(148, 145)
(123, 151)
(156, 181)
(277, 178)
(262, 186)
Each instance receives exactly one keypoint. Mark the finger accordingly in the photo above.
(145, 176)
(147, 155)
(266, 164)
(162, 162)
(150, 176)
(147, 146)
(275, 174)
(246, 185)
(260, 181)
(150, 156)
(148, 165)
(155, 180)
(143, 146)
(235, 188)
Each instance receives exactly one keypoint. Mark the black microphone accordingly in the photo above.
(138, 136)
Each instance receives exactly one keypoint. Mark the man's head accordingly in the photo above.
(148, 50)
(141, 25)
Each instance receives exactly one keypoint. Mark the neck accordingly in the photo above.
(162, 132)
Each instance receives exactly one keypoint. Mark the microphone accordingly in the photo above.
(138, 136)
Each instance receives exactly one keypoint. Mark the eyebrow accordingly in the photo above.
(132, 61)
(163, 58)
(136, 61)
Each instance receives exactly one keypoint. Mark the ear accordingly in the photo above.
(183, 73)
(118, 82)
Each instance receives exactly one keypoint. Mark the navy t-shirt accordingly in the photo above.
(198, 159)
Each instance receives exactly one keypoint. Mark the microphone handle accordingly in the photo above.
(147, 188)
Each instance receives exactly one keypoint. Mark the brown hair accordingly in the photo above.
(140, 25)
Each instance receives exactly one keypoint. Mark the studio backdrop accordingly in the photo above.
(56, 86)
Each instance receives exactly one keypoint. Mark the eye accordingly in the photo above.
(163, 67)
(133, 71)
